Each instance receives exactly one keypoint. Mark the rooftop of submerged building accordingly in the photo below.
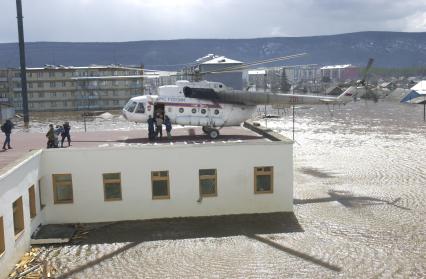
(23, 142)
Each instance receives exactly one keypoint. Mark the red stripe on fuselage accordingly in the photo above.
(191, 105)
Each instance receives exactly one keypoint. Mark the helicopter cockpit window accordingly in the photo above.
(140, 108)
(130, 107)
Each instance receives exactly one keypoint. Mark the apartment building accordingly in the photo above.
(61, 88)
(340, 72)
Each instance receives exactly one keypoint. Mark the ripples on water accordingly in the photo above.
(359, 197)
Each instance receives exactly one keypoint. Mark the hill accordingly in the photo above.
(390, 49)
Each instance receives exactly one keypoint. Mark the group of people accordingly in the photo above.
(54, 133)
(155, 126)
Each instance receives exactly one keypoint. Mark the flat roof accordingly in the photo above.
(23, 142)
(221, 60)
(338, 67)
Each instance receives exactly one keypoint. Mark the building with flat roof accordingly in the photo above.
(6, 107)
(340, 72)
(244, 175)
(63, 88)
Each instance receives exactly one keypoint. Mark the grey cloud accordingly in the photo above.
(129, 20)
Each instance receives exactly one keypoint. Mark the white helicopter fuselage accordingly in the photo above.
(181, 110)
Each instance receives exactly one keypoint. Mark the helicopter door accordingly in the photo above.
(159, 108)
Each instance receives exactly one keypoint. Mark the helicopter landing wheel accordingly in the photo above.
(206, 130)
(213, 133)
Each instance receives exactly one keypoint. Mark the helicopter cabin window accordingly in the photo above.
(216, 111)
(208, 182)
(181, 110)
(194, 110)
(203, 111)
(263, 180)
(140, 108)
(130, 107)
(160, 185)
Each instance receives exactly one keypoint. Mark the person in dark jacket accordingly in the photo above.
(50, 135)
(66, 134)
(159, 125)
(6, 128)
(151, 130)
(168, 125)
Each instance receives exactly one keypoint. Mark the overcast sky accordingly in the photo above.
(133, 20)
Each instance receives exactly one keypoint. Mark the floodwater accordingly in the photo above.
(112, 120)
(359, 212)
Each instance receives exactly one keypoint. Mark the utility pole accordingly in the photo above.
(265, 84)
(22, 59)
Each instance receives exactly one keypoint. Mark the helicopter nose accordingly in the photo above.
(123, 112)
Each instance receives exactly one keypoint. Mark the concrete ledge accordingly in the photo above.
(53, 234)
(265, 132)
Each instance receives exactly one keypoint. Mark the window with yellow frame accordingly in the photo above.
(263, 180)
(112, 186)
(2, 244)
(42, 205)
(18, 216)
(160, 185)
(208, 182)
(32, 199)
(62, 188)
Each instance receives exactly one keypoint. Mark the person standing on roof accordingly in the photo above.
(168, 125)
(66, 134)
(6, 128)
(50, 135)
(159, 125)
(151, 129)
(58, 131)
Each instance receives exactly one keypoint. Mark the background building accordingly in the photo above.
(280, 79)
(61, 88)
(153, 80)
(340, 72)
(6, 107)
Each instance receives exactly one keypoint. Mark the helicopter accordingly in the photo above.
(213, 105)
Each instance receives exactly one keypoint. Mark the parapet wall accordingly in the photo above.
(234, 162)
(14, 184)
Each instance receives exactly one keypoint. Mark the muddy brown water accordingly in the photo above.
(359, 212)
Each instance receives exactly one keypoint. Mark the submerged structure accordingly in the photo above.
(248, 174)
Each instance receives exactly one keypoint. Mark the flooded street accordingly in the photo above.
(359, 210)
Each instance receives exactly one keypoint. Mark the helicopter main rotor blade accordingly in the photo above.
(247, 65)
(238, 68)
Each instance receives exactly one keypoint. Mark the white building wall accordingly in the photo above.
(235, 187)
(234, 162)
(14, 183)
